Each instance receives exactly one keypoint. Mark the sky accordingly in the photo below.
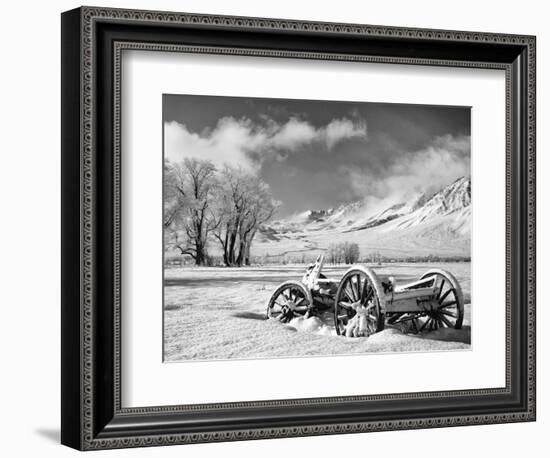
(317, 154)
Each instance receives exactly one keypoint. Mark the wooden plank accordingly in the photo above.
(409, 305)
(414, 293)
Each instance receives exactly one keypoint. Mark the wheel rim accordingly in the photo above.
(356, 295)
(447, 313)
(288, 301)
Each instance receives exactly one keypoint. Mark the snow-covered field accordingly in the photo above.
(219, 313)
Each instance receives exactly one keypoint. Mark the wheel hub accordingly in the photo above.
(358, 325)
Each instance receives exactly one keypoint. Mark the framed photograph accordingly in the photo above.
(276, 228)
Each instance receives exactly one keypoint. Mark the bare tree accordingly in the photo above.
(172, 201)
(343, 252)
(189, 194)
(351, 252)
(335, 254)
(260, 209)
(245, 204)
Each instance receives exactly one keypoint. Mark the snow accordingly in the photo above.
(219, 313)
(314, 325)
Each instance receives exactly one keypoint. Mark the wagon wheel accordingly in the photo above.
(289, 300)
(449, 312)
(357, 308)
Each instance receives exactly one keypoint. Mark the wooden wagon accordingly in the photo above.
(362, 302)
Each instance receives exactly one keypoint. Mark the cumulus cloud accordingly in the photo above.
(244, 142)
(428, 170)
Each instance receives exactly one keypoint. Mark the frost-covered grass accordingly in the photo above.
(219, 313)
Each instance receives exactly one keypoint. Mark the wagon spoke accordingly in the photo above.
(359, 289)
(301, 308)
(365, 299)
(371, 306)
(364, 290)
(448, 304)
(442, 298)
(441, 288)
(446, 321)
(347, 290)
(349, 294)
(445, 312)
(355, 288)
(370, 295)
(424, 325)
(346, 305)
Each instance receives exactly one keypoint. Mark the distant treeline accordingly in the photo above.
(333, 256)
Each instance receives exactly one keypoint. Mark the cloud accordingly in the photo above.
(247, 143)
(338, 129)
(428, 170)
(459, 145)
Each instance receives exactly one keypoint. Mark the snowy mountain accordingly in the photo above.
(452, 201)
(438, 223)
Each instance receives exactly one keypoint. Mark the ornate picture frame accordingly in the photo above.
(93, 416)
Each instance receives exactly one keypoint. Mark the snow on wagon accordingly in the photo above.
(362, 302)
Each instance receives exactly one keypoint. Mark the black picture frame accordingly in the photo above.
(92, 40)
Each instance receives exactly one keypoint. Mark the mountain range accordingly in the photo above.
(437, 223)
